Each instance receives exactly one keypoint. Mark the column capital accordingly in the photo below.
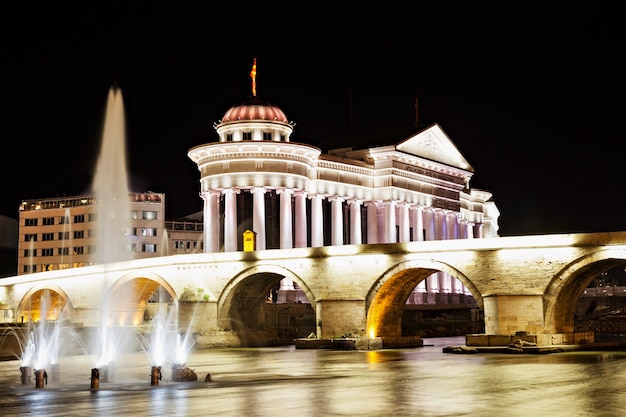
(315, 196)
(336, 198)
(232, 190)
(207, 194)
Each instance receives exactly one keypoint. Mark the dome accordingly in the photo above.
(254, 109)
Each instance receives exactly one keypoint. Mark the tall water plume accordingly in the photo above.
(110, 189)
(110, 185)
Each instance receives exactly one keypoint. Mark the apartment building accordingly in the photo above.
(60, 233)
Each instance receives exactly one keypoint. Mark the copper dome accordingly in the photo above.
(254, 109)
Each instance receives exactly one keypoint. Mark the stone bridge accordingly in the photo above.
(525, 284)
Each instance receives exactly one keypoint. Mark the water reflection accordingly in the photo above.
(289, 382)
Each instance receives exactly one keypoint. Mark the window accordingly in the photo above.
(92, 217)
(47, 252)
(149, 215)
(148, 247)
(30, 237)
(229, 137)
(64, 220)
(30, 222)
(148, 231)
(28, 253)
(78, 250)
(64, 235)
(30, 268)
(267, 135)
(134, 214)
(79, 218)
(79, 234)
(247, 135)
(63, 251)
(47, 236)
(48, 221)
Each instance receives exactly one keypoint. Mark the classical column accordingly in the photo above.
(441, 229)
(211, 221)
(462, 229)
(417, 220)
(404, 227)
(355, 222)
(301, 236)
(230, 219)
(390, 221)
(452, 223)
(470, 230)
(317, 223)
(258, 216)
(432, 282)
(429, 223)
(286, 240)
(286, 234)
(479, 230)
(336, 219)
(458, 287)
(372, 222)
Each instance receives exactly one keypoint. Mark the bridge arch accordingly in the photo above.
(567, 286)
(30, 306)
(243, 297)
(387, 297)
(128, 296)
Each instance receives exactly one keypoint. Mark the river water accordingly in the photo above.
(284, 381)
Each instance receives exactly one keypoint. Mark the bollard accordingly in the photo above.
(95, 378)
(25, 374)
(155, 375)
(40, 376)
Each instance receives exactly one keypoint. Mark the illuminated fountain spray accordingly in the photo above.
(41, 351)
(168, 345)
(110, 186)
(110, 189)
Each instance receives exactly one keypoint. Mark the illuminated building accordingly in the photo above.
(60, 233)
(291, 195)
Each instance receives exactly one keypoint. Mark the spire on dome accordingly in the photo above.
(253, 76)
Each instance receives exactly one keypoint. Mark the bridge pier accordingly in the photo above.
(201, 315)
(335, 318)
(509, 314)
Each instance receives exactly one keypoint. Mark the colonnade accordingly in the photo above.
(387, 221)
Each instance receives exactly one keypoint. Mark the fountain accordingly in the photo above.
(43, 338)
(169, 346)
(162, 342)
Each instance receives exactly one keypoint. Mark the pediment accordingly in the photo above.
(434, 144)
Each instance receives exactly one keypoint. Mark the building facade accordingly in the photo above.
(291, 195)
(61, 233)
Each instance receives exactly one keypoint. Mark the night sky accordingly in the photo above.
(532, 96)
